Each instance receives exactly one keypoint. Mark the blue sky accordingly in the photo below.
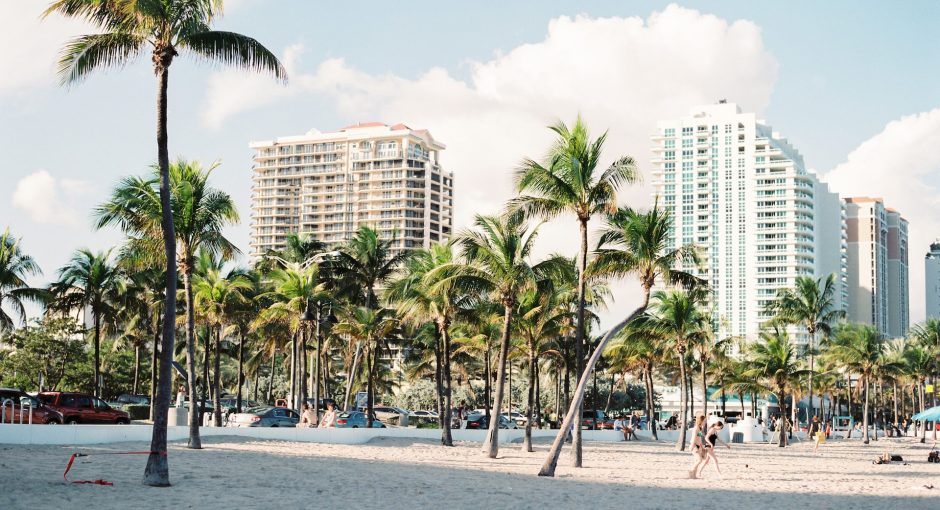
(853, 85)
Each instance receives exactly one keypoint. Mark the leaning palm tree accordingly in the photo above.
(89, 281)
(774, 367)
(126, 29)
(810, 303)
(15, 267)
(497, 252)
(631, 244)
(570, 182)
(199, 213)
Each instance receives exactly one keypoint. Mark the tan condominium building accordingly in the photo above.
(328, 184)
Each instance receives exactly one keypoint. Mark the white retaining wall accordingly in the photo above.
(100, 434)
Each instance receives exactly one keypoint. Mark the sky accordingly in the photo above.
(852, 85)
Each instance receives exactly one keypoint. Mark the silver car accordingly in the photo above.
(265, 416)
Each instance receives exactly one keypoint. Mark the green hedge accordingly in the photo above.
(137, 412)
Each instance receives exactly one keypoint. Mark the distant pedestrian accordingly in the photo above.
(309, 417)
(815, 432)
(181, 396)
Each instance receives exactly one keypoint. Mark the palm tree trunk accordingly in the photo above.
(704, 387)
(136, 368)
(865, 415)
(97, 386)
(812, 369)
(579, 333)
(651, 399)
(782, 429)
(683, 402)
(849, 402)
(688, 388)
(537, 411)
(206, 383)
(439, 383)
(302, 369)
(292, 388)
(491, 447)
(527, 442)
(153, 365)
(488, 383)
(446, 438)
(557, 394)
(271, 378)
(316, 368)
(241, 370)
(217, 378)
(741, 400)
(157, 472)
(352, 375)
(195, 442)
(369, 387)
(573, 416)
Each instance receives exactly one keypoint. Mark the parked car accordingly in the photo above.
(18, 409)
(517, 417)
(356, 420)
(228, 404)
(82, 408)
(392, 415)
(265, 416)
(127, 399)
(478, 421)
(587, 419)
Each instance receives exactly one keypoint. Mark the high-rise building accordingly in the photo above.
(877, 266)
(932, 280)
(328, 184)
(741, 193)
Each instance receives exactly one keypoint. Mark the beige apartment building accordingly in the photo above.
(877, 266)
(328, 184)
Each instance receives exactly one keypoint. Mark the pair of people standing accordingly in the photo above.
(704, 442)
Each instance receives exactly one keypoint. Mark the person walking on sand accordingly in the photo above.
(309, 418)
(815, 432)
(329, 417)
(698, 445)
(710, 443)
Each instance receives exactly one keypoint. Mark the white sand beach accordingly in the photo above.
(399, 473)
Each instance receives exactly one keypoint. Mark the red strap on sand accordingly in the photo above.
(98, 481)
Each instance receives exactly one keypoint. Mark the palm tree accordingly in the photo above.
(421, 296)
(631, 244)
(365, 262)
(370, 329)
(539, 317)
(89, 281)
(128, 28)
(199, 213)
(775, 368)
(640, 347)
(497, 252)
(811, 303)
(15, 267)
(860, 348)
(677, 317)
(216, 296)
(570, 182)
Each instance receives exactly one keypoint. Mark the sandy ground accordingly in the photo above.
(394, 473)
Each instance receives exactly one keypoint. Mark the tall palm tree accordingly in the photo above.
(126, 29)
(89, 281)
(15, 267)
(370, 329)
(199, 213)
(421, 296)
(570, 182)
(216, 296)
(365, 262)
(811, 304)
(775, 367)
(497, 252)
(860, 348)
(631, 244)
(640, 346)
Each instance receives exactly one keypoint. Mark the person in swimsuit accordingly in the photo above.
(711, 442)
(329, 417)
(698, 446)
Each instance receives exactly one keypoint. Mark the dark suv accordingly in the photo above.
(18, 405)
(82, 408)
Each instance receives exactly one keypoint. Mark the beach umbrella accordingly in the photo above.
(932, 414)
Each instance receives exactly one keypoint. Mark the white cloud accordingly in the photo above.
(31, 60)
(902, 165)
(621, 74)
(49, 200)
